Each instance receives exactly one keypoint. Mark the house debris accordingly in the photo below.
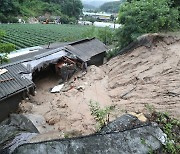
(12, 88)
(64, 61)
(57, 88)
(66, 68)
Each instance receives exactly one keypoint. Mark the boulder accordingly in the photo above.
(126, 135)
(15, 130)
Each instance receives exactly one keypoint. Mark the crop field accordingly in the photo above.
(28, 35)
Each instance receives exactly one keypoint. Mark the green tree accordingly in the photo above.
(10, 9)
(105, 35)
(175, 3)
(72, 8)
(5, 49)
(140, 17)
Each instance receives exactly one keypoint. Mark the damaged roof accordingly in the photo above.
(87, 48)
(33, 55)
(83, 49)
(12, 82)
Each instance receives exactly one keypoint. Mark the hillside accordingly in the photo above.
(10, 10)
(142, 77)
(95, 3)
(111, 7)
(88, 7)
(147, 75)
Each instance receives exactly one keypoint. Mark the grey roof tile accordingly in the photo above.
(87, 48)
(17, 84)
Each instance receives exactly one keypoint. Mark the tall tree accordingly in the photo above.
(140, 17)
(72, 8)
(9, 7)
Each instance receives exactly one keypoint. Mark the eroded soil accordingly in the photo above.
(146, 75)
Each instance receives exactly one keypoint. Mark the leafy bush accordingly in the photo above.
(101, 115)
(106, 35)
(170, 126)
(140, 17)
(5, 49)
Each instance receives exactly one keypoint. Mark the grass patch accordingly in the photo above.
(170, 126)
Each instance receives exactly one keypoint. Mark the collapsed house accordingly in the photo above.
(13, 87)
(64, 61)
(69, 59)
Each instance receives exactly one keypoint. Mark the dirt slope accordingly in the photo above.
(145, 75)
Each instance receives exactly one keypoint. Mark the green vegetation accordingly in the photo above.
(11, 9)
(139, 17)
(111, 7)
(101, 115)
(5, 49)
(106, 34)
(27, 35)
(112, 53)
(170, 126)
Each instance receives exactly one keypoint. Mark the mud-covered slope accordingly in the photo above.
(147, 75)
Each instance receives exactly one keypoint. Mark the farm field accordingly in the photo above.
(28, 35)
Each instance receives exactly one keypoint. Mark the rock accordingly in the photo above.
(126, 135)
(15, 130)
(39, 122)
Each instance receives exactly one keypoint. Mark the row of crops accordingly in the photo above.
(28, 35)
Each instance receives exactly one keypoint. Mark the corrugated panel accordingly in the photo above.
(18, 84)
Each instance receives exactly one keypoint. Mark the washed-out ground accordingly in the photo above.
(147, 75)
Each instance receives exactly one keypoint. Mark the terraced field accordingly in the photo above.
(28, 35)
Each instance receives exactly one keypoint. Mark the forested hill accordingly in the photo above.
(114, 6)
(34, 8)
(111, 7)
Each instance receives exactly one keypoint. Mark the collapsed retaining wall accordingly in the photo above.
(126, 134)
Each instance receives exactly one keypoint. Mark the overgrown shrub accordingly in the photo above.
(145, 16)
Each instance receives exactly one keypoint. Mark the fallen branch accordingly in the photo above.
(128, 92)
